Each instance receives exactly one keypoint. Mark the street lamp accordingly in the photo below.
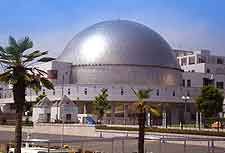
(185, 99)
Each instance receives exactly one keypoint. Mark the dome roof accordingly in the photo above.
(119, 42)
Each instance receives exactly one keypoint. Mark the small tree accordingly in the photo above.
(142, 108)
(210, 102)
(101, 104)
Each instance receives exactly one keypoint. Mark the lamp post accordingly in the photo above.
(185, 99)
(62, 117)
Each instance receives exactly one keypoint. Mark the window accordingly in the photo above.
(183, 61)
(121, 92)
(188, 83)
(157, 92)
(68, 117)
(220, 61)
(207, 81)
(183, 83)
(68, 91)
(192, 60)
(174, 93)
(178, 61)
(43, 91)
(201, 59)
(188, 93)
(188, 107)
(220, 85)
(85, 91)
(52, 74)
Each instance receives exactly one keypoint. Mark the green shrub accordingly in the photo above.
(164, 130)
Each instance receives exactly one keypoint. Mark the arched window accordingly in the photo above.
(85, 91)
(157, 92)
(121, 92)
(174, 93)
(68, 91)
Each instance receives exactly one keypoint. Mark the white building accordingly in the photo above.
(42, 111)
(120, 55)
(65, 110)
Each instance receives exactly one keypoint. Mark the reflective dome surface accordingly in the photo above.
(119, 42)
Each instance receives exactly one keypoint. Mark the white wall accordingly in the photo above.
(40, 114)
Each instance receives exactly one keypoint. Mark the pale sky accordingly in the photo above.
(190, 24)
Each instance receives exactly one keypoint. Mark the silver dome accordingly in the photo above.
(119, 42)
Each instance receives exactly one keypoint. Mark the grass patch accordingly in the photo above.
(164, 130)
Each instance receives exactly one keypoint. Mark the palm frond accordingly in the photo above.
(41, 72)
(46, 83)
(46, 59)
(12, 42)
(5, 77)
(35, 84)
(34, 55)
(2, 49)
(134, 91)
(25, 44)
(144, 93)
(3, 61)
(153, 110)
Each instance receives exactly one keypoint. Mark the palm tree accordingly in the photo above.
(17, 60)
(101, 104)
(141, 108)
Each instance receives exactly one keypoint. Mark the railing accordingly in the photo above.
(128, 144)
(87, 145)
(174, 143)
(186, 145)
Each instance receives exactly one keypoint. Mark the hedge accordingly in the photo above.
(164, 130)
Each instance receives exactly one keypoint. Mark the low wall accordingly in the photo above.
(69, 129)
(46, 128)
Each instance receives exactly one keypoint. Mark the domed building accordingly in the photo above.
(118, 55)
(121, 52)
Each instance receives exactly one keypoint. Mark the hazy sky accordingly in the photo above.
(190, 24)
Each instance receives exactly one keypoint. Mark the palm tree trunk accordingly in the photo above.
(218, 122)
(18, 130)
(199, 122)
(19, 100)
(141, 139)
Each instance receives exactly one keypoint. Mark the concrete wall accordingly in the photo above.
(69, 129)
(126, 74)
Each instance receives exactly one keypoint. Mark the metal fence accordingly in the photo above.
(184, 145)
(88, 145)
(124, 144)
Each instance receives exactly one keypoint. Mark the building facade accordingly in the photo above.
(120, 55)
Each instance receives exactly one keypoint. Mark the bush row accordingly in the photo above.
(165, 130)
(24, 123)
